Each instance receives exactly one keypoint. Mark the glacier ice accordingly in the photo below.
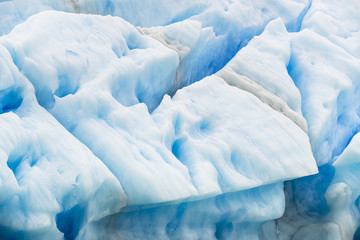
(76, 59)
(333, 211)
(243, 20)
(45, 171)
(273, 85)
(328, 79)
(235, 215)
(339, 27)
(179, 120)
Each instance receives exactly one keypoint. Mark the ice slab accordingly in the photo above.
(47, 176)
(328, 79)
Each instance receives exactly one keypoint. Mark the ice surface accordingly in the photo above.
(324, 65)
(181, 120)
(236, 215)
(14, 12)
(328, 79)
(344, 191)
(115, 133)
(211, 140)
(45, 171)
(269, 52)
(99, 52)
(340, 27)
(99, 77)
(217, 45)
(332, 212)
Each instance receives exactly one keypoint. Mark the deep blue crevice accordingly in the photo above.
(174, 224)
(357, 234)
(15, 160)
(70, 221)
(176, 147)
(224, 48)
(223, 228)
(13, 164)
(7, 233)
(341, 146)
(308, 192)
(187, 13)
(67, 86)
(296, 25)
(45, 97)
(10, 99)
(357, 203)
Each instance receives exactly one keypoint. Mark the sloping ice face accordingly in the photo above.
(182, 122)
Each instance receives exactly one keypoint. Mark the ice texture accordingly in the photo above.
(47, 175)
(328, 79)
(324, 65)
(91, 50)
(269, 52)
(179, 119)
(332, 212)
(235, 215)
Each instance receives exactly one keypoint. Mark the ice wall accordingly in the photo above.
(50, 183)
(325, 69)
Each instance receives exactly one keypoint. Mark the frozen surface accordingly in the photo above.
(340, 27)
(179, 120)
(99, 52)
(269, 52)
(14, 12)
(226, 25)
(344, 191)
(211, 139)
(333, 211)
(324, 65)
(328, 79)
(236, 215)
(47, 176)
